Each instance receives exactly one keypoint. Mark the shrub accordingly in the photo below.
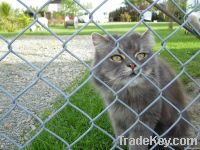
(5, 9)
(8, 24)
(123, 14)
(11, 19)
(161, 17)
(125, 17)
(58, 14)
(23, 20)
(116, 15)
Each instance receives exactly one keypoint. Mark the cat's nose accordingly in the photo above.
(132, 66)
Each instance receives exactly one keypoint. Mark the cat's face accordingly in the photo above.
(118, 69)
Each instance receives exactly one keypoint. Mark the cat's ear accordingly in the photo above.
(148, 39)
(98, 38)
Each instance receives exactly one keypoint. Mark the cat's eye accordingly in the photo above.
(141, 55)
(117, 58)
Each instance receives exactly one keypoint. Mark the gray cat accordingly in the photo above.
(118, 70)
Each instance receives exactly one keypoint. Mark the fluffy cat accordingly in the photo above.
(118, 70)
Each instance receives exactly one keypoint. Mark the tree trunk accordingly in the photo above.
(170, 24)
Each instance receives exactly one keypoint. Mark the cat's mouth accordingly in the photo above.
(133, 74)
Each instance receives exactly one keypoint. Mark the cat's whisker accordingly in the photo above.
(138, 90)
(152, 78)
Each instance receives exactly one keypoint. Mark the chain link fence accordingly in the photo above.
(39, 75)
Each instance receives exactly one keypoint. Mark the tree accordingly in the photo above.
(140, 4)
(171, 7)
(69, 7)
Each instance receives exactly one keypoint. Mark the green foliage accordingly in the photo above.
(171, 7)
(70, 8)
(5, 9)
(161, 17)
(23, 20)
(7, 19)
(123, 14)
(127, 13)
(8, 24)
(71, 124)
(58, 14)
(10, 19)
(125, 17)
(141, 4)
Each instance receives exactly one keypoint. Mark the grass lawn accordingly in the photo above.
(70, 124)
(60, 30)
(110, 27)
(182, 46)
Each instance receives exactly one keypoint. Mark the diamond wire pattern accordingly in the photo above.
(39, 76)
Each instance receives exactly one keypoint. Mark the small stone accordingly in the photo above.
(33, 127)
(1, 110)
(7, 125)
(2, 146)
(29, 119)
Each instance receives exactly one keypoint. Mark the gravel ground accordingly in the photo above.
(16, 75)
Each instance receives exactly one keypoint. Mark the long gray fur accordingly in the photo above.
(140, 92)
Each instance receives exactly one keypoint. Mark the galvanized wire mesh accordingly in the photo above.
(39, 75)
